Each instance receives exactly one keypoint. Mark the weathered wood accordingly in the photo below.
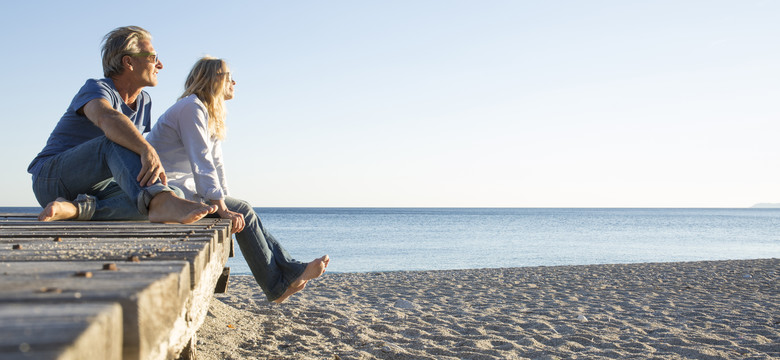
(198, 306)
(98, 240)
(17, 216)
(151, 294)
(207, 227)
(195, 250)
(164, 297)
(6, 233)
(189, 352)
(61, 331)
(222, 283)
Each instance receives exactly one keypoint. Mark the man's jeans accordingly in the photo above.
(100, 176)
(273, 268)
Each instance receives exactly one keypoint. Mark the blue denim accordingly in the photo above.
(100, 175)
(273, 268)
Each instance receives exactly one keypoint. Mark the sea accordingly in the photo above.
(410, 239)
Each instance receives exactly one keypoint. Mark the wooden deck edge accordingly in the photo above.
(194, 312)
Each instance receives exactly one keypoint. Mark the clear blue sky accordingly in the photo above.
(441, 103)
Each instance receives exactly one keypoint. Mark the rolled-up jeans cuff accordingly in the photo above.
(177, 191)
(147, 194)
(86, 205)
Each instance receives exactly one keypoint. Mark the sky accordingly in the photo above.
(440, 103)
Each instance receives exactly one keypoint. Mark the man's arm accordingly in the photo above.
(119, 129)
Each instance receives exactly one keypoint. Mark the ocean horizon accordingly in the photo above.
(361, 239)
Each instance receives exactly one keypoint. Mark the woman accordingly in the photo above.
(188, 138)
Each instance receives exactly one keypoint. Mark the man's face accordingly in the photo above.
(145, 68)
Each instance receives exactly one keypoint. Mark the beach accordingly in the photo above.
(682, 310)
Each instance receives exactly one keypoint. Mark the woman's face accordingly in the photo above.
(229, 84)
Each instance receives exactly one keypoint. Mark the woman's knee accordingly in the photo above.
(242, 206)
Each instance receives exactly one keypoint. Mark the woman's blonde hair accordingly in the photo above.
(118, 43)
(207, 80)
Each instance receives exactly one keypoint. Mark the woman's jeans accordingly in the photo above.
(100, 176)
(273, 268)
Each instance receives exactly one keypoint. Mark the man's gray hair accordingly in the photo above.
(118, 43)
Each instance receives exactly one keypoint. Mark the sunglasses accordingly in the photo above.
(151, 56)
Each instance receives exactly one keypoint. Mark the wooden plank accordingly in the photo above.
(207, 224)
(108, 246)
(18, 216)
(107, 225)
(90, 242)
(20, 222)
(95, 243)
(51, 234)
(153, 295)
(197, 252)
(61, 331)
(78, 229)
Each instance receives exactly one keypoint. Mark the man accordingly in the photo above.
(96, 165)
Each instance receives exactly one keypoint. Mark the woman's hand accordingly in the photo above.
(236, 219)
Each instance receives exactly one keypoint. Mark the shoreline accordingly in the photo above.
(701, 309)
(248, 273)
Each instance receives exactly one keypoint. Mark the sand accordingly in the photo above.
(691, 310)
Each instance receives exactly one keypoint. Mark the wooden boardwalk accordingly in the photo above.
(106, 290)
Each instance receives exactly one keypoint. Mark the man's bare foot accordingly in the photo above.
(166, 207)
(313, 270)
(59, 209)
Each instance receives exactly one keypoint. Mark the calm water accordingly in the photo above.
(387, 239)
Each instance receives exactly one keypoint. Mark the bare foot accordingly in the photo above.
(313, 270)
(166, 207)
(290, 290)
(59, 209)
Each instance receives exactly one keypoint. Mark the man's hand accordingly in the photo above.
(151, 169)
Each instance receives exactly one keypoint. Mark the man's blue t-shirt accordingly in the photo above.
(74, 129)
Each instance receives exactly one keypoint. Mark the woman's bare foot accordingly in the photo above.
(313, 270)
(166, 207)
(290, 290)
(59, 209)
